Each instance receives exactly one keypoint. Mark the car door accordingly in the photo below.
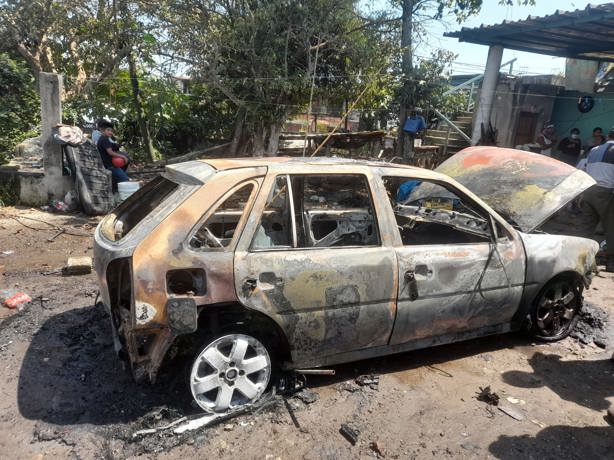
(459, 270)
(315, 262)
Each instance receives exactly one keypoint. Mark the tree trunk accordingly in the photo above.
(152, 153)
(259, 139)
(273, 143)
(404, 147)
(239, 133)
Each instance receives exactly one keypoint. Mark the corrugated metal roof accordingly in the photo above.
(582, 34)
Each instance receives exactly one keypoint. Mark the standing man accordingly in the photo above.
(414, 127)
(570, 147)
(598, 201)
(546, 140)
(112, 159)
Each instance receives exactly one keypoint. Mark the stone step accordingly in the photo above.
(441, 136)
(443, 132)
(442, 140)
(451, 147)
(463, 119)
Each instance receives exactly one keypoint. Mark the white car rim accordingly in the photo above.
(231, 372)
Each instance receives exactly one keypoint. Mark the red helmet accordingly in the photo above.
(119, 162)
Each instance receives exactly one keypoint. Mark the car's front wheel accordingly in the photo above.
(229, 373)
(555, 312)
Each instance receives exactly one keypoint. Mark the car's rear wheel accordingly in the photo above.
(555, 312)
(229, 373)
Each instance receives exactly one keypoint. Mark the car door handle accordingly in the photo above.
(412, 285)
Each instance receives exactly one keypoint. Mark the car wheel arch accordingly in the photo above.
(232, 317)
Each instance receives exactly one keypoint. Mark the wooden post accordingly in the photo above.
(51, 88)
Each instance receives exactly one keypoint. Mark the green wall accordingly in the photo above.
(566, 115)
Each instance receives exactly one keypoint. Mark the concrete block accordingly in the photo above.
(78, 266)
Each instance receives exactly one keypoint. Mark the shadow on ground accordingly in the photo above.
(557, 442)
(429, 357)
(587, 383)
(71, 375)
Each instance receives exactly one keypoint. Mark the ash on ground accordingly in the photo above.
(592, 326)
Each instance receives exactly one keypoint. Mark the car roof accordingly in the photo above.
(232, 163)
(201, 170)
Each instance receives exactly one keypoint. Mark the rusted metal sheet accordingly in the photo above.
(525, 188)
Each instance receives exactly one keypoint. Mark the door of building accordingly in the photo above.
(525, 130)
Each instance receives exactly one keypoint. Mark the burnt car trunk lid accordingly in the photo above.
(525, 188)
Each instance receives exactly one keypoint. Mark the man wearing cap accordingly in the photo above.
(598, 201)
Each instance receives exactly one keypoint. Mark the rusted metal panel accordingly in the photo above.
(457, 288)
(525, 188)
(165, 248)
(326, 300)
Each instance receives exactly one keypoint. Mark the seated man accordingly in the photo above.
(112, 158)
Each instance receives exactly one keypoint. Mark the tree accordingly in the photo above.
(73, 37)
(261, 56)
(86, 40)
(415, 14)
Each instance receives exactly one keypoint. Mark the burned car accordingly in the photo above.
(290, 263)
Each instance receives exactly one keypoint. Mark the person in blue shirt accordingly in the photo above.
(109, 151)
(415, 125)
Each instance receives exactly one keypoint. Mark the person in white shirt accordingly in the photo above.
(547, 139)
(598, 201)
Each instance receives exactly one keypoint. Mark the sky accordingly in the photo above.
(471, 58)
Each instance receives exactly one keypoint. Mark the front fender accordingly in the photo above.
(551, 255)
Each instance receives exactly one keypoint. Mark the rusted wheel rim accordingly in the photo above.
(556, 309)
(229, 373)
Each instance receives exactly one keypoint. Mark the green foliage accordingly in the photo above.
(19, 111)
(9, 192)
(261, 55)
(178, 122)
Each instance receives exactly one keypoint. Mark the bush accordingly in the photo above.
(19, 111)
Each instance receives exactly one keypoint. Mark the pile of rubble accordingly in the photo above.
(591, 326)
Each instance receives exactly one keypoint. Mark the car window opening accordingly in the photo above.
(136, 207)
(318, 211)
(219, 228)
(429, 213)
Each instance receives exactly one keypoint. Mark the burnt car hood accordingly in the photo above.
(525, 188)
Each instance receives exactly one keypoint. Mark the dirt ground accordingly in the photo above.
(64, 394)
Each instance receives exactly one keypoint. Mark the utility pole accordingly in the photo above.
(404, 146)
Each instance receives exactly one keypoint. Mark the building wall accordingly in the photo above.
(566, 114)
(516, 95)
(580, 74)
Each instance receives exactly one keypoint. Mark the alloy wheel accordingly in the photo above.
(231, 372)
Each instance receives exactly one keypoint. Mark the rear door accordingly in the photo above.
(315, 262)
(457, 271)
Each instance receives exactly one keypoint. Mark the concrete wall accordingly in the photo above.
(566, 114)
(30, 187)
(580, 75)
(515, 95)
